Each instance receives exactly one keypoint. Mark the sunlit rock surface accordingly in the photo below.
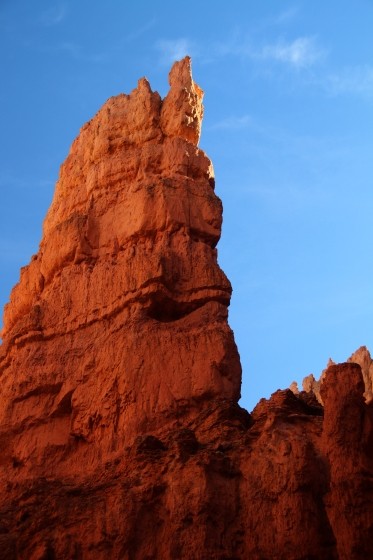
(120, 432)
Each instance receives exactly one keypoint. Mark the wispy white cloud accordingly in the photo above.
(232, 123)
(136, 33)
(175, 49)
(53, 15)
(76, 51)
(302, 170)
(286, 16)
(356, 80)
(300, 53)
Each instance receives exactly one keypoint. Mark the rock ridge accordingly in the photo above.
(361, 357)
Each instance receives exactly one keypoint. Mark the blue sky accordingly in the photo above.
(288, 125)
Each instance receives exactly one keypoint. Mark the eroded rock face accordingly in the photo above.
(348, 446)
(120, 321)
(361, 357)
(120, 432)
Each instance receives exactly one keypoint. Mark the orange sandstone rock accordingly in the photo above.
(120, 432)
(120, 321)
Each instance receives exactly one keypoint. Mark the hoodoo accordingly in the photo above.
(120, 432)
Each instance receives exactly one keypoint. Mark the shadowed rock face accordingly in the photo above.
(120, 432)
(361, 357)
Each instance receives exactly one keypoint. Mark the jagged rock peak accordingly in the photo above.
(182, 109)
(361, 357)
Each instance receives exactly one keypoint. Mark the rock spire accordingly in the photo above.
(120, 321)
(120, 432)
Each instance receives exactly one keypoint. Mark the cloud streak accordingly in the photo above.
(141, 30)
(77, 52)
(174, 49)
(287, 16)
(69, 48)
(357, 80)
(232, 123)
(300, 53)
(54, 15)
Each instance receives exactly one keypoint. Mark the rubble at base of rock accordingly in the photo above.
(120, 432)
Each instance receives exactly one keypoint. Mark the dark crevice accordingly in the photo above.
(64, 407)
(167, 310)
(48, 389)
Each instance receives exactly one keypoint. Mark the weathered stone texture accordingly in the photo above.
(120, 432)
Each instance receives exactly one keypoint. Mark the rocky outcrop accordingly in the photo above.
(347, 443)
(120, 432)
(119, 323)
(361, 357)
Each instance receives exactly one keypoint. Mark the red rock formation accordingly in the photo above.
(119, 323)
(361, 357)
(348, 446)
(120, 432)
